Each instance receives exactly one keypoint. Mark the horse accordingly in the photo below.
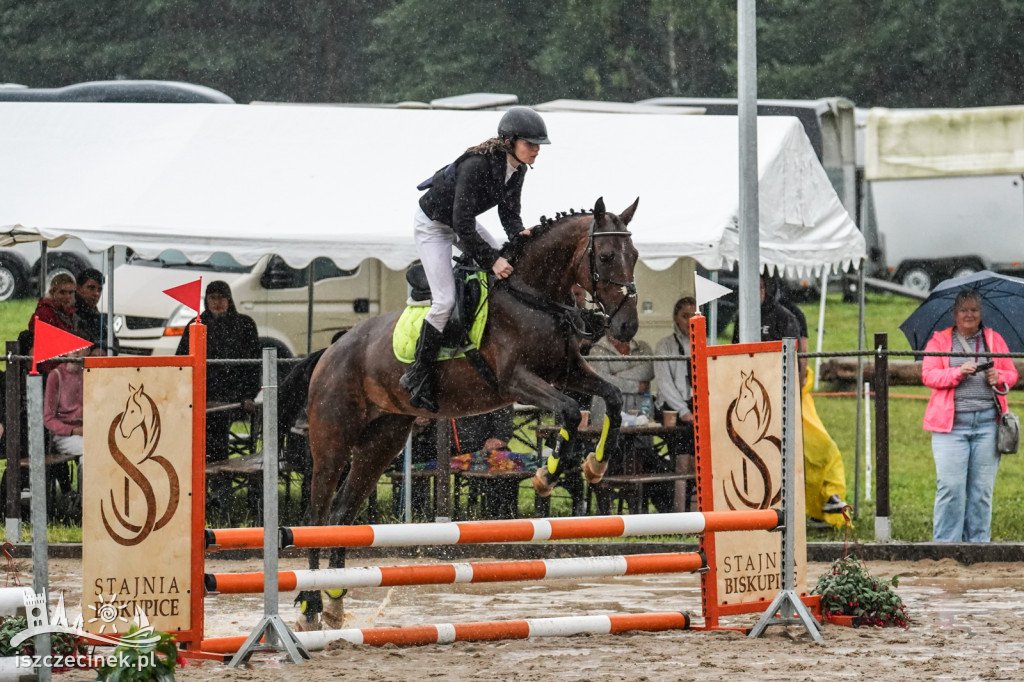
(359, 416)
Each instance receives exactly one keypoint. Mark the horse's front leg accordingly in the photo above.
(528, 388)
(585, 380)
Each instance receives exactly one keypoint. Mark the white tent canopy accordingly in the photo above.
(305, 181)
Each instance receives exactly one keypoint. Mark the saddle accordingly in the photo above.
(462, 334)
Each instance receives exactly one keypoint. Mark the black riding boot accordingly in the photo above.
(419, 378)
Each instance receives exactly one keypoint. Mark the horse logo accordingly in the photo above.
(747, 421)
(133, 439)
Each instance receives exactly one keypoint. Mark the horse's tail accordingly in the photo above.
(293, 392)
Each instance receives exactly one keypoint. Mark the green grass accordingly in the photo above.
(14, 317)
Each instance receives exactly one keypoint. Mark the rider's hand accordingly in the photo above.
(526, 232)
(992, 376)
(968, 368)
(501, 268)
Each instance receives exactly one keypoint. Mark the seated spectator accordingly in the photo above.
(229, 335)
(633, 378)
(62, 403)
(92, 324)
(58, 309)
(674, 383)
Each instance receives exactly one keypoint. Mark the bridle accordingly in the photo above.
(628, 288)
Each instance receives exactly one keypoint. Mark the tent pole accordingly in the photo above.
(749, 247)
(821, 325)
(110, 300)
(43, 293)
(712, 332)
(309, 308)
(859, 432)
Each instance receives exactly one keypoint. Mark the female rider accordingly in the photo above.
(487, 175)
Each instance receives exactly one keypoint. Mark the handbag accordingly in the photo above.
(1007, 432)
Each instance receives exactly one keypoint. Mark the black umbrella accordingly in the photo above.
(1002, 308)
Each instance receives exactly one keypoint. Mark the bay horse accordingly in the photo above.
(359, 417)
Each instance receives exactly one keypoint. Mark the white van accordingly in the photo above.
(274, 294)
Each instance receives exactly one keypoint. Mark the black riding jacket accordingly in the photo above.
(476, 185)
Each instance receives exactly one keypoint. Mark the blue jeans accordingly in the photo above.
(965, 466)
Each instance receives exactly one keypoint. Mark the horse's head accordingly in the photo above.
(593, 250)
(606, 269)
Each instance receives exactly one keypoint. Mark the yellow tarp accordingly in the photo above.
(824, 475)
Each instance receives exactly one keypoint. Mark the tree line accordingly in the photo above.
(911, 53)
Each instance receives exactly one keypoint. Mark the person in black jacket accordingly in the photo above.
(487, 175)
(229, 335)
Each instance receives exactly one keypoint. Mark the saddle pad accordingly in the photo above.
(407, 329)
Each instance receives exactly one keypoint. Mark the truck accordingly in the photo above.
(943, 193)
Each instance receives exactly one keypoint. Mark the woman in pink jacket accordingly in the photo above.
(962, 417)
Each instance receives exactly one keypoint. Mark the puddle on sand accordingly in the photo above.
(965, 624)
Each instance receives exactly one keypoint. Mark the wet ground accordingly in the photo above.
(965, 625)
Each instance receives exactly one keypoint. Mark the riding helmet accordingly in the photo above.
(523, 123)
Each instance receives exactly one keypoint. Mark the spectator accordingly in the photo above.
(961, 415)
(91, 323)
(62, 404)
(633, 378)
(674, 381)
(59, 309)
(674, 387)
(229, 335)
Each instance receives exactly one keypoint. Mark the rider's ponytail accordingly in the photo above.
(495, 144)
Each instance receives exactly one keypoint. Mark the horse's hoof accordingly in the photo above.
(334, 610)
(309, 623)
(594, 470)
(541, 485)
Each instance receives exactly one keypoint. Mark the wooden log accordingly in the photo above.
(901, 372)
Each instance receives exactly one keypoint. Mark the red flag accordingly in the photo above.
(188, 294)
(51, 342)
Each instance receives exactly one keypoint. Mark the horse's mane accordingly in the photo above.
(513, 250)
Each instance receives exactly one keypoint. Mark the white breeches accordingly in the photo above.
(434, 242)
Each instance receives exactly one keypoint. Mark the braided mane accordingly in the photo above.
(514, 248)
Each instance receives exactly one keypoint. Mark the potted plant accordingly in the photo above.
(850, 595)
(61, 643)
(154, 660)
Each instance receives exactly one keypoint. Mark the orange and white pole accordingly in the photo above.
(443, 574)
(475, 632)
(517, 530)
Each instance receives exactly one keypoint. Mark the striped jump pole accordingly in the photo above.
(420, 635)
(515, 530)
(443, 574)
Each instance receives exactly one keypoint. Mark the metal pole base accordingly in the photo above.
(279, 637)
(792, 611)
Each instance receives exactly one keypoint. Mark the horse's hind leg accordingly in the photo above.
(381, 441)
(330, 441)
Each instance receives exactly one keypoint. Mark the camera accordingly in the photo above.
(984, 366)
